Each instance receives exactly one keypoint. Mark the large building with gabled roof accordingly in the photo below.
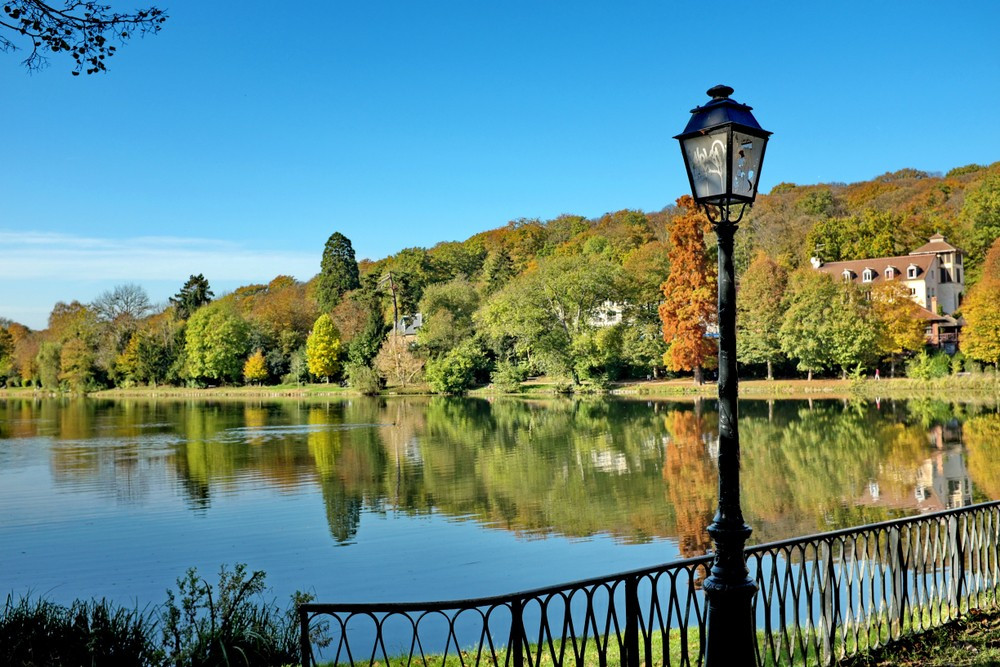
(933, 273)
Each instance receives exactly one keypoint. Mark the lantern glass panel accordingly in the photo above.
(747, 153)
(706, 159)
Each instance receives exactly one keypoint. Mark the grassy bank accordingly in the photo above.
(966, 388)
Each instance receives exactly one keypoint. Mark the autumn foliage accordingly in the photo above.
(689, 294)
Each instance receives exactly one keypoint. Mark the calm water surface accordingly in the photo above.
(423, 498)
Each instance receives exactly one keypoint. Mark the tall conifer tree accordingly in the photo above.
(338, 272)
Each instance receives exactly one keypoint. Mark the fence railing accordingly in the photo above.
(820, 598)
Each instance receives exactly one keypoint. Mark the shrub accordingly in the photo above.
(363, 379)
(229, 624)
(508, 376)
(454, 372)
(927, 367)
(38, 632)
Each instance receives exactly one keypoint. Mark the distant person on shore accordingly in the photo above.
(877, 375)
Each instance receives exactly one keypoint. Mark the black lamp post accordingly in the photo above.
(723, 149)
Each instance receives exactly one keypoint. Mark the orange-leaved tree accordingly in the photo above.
(689, 294)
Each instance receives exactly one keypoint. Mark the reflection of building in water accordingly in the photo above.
(944, 481)
(940, 482)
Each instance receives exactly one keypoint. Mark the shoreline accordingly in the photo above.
(976, 388)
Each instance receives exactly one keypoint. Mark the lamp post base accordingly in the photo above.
(729, 593)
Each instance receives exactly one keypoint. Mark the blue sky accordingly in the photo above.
(236, 141)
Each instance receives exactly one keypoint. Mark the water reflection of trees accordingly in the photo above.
(631, 469)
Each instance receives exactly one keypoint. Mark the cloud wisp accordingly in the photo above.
(40, 255)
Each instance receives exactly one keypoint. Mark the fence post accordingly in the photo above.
(897, 570)
(305, 646)
(829, 605)
(957, 565)
(517, 631)
(631, 647)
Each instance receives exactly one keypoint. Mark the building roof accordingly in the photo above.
(879, 265)
(935, 245)
(408, 325)
(946, 320)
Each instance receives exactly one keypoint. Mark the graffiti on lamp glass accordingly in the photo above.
(711, 161)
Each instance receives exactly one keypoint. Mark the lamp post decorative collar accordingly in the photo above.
(723, 149)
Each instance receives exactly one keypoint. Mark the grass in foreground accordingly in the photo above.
(973, 640)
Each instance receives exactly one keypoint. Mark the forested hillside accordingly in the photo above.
(578, 299)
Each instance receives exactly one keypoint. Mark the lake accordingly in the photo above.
(417, 498)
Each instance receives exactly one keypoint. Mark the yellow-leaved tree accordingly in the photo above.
(323, 348)
(900, 328)
(255, 368)
(689, 294)
(981, 334)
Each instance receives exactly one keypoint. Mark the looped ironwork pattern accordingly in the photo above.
(820, 598)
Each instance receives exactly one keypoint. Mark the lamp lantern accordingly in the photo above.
(723, 149)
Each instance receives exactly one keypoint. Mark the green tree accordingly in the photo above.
(689, 294)
(643, 347)
(367, 341)
(255, 368)
(854, 329)
(870, 234)
(981, 215)
(6, 353)
(47, 363)
(338, 272)
(455, 372)
(76, 364)
(646, 268)
(453, 259)
(806, 331)
(323, 348)
(447, 309)
(537, 316)
(759, 313)
(497, 270)
(217, 342)
(194, 294)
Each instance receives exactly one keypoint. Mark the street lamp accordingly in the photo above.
(723, 148)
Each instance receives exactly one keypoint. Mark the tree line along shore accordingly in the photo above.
(590, 304)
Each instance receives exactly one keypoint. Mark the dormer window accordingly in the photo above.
(911, 271)
(848, 275)
(890, 273)
(868, 275)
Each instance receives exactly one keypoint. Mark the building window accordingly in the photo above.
(911, 272)
(848, 275)
(890, 273)
(958, 275)
(868, 275)
(913, 291)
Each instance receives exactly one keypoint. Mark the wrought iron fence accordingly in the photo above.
(820, 598)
